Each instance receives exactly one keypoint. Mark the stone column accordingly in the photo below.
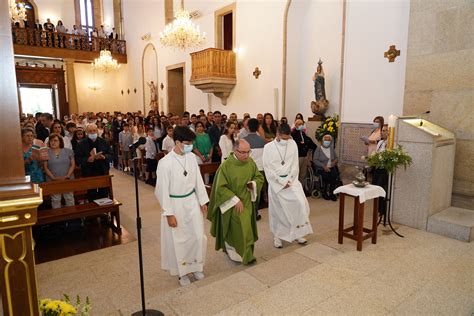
(98, 13)
(19, 198)
(71, 86)
(118, 18)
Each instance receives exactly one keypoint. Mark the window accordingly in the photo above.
(87, 15)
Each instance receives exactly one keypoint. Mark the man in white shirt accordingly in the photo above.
(168, 142)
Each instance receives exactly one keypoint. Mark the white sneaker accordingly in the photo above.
(184, 280)
(302, 241)
(198, 275)
(277, 243)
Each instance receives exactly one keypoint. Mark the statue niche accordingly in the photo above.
(321, 104)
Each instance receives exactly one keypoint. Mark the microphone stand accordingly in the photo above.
(385, 216)
(143, 311)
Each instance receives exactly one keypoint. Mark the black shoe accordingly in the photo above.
(333, 197)
(259, 217)
(326, 197)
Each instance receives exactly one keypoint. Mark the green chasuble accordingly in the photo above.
(238, 230)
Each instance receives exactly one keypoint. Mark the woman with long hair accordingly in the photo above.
(268, 128)
(227, 140)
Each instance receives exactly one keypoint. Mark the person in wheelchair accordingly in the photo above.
(325, 161)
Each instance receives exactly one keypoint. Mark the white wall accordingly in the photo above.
(314, 31)
(372, 85)
(258, 38)
(56, 10)
(108, 97)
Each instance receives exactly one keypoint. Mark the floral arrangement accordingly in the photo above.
(329, 126)
(64, 307)
(389, 159)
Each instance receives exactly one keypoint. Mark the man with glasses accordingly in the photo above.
(288, 207)
(233, 205)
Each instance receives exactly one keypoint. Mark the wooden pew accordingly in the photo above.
(209, 168)
(80, 210)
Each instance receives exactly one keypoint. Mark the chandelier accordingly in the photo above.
(17, 12)
(182, 33)
(105, 62)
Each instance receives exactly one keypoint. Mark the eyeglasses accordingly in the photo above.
(244, 152)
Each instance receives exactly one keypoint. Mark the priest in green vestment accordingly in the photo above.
(233, 205)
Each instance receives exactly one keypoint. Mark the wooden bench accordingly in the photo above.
(80, 210)
(208, 168)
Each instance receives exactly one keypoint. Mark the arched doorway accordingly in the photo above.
(149, 75)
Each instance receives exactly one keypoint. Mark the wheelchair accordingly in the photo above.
(313, 181)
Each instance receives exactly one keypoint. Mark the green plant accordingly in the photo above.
(64, 307)
(389, 159)
(330, 125)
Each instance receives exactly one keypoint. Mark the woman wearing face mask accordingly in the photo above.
(305, 148)
(325, 160)
(183, 197)
(374, 137)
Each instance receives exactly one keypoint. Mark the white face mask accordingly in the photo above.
(187, 148)
(376, 124)
(283, 142)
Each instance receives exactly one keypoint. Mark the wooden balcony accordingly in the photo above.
(31, 42)
(213, 71)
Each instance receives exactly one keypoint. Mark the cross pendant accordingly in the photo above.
(282, 163)
(185, 173)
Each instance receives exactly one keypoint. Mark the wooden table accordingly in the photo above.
(360, 195)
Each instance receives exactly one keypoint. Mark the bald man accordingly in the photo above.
(93, 156)
(233, 206)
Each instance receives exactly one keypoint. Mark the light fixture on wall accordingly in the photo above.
(17, 12)
(94, 86)
(105, 62)
(182, 33)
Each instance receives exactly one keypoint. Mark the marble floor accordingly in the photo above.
(421, 274)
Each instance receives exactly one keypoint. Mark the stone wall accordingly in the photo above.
(440, 79)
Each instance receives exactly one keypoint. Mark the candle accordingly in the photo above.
(392, 120)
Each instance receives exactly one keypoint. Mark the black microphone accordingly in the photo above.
(140, 141)
(421, 120)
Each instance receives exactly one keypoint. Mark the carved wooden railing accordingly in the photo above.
(213, 62)
(213, 71)
(47, 39)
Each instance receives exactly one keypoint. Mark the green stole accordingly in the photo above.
(238, 230)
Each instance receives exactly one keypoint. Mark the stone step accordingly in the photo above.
(453, 222)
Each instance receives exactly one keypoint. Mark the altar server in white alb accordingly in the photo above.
(287, 204)
(183, 197)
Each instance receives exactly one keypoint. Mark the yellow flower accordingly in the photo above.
(331, 123)
(325, 126)
(330, 129)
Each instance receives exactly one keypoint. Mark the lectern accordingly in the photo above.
(425, 188)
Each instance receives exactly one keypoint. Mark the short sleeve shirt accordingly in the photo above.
(59, 164)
